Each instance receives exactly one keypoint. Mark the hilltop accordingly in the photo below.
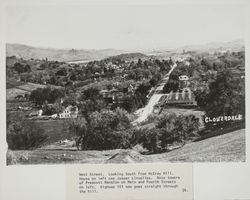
(129, 56)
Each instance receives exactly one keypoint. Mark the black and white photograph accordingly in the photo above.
(115, 84)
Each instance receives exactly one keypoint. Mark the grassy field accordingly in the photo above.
(229, 147)
(13, 92)
(12, 83)
(56, 129)
(17, 88)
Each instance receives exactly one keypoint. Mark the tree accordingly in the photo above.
(201, 97)
(175, 128)
(20, 68)
(172, 84)
(139, 63)
(41, 95)
(140, 94)
(186, 126)
(155, 79)
(62, 72)
(49, 110)
(166, 125)
(90, 93)
(226, 95)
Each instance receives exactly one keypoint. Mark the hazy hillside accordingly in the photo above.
(27, 52)
(236, 45)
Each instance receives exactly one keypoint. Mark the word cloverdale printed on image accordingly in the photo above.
(133, 84)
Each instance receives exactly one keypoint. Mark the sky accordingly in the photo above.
(123, 27)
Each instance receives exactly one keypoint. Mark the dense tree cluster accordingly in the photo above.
(47, 94)
(103, 130)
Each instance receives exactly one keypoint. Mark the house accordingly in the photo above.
(183, 78)
(128, 88)
(54, 116)
(24, 108)
(104, 93)
(184, 81)
(238, 73)
(69, 112)
(20, 97)
(131, 88)
(39, 112)
(36, 113)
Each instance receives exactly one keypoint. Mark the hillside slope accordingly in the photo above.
(223, 148)
(229, 147)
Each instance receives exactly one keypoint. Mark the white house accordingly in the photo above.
(36, 113)
(69, 112)
(54, 116)
(39, 112)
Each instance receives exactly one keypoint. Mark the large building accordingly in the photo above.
(180, 98)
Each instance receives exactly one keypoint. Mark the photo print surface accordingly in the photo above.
(125, 84)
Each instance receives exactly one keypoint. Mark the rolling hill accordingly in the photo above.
(28, 52)
(67, 55)
(129, 56)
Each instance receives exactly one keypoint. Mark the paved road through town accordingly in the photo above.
(154, 99)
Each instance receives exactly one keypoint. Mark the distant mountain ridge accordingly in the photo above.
(235, 45)
(28, 52)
